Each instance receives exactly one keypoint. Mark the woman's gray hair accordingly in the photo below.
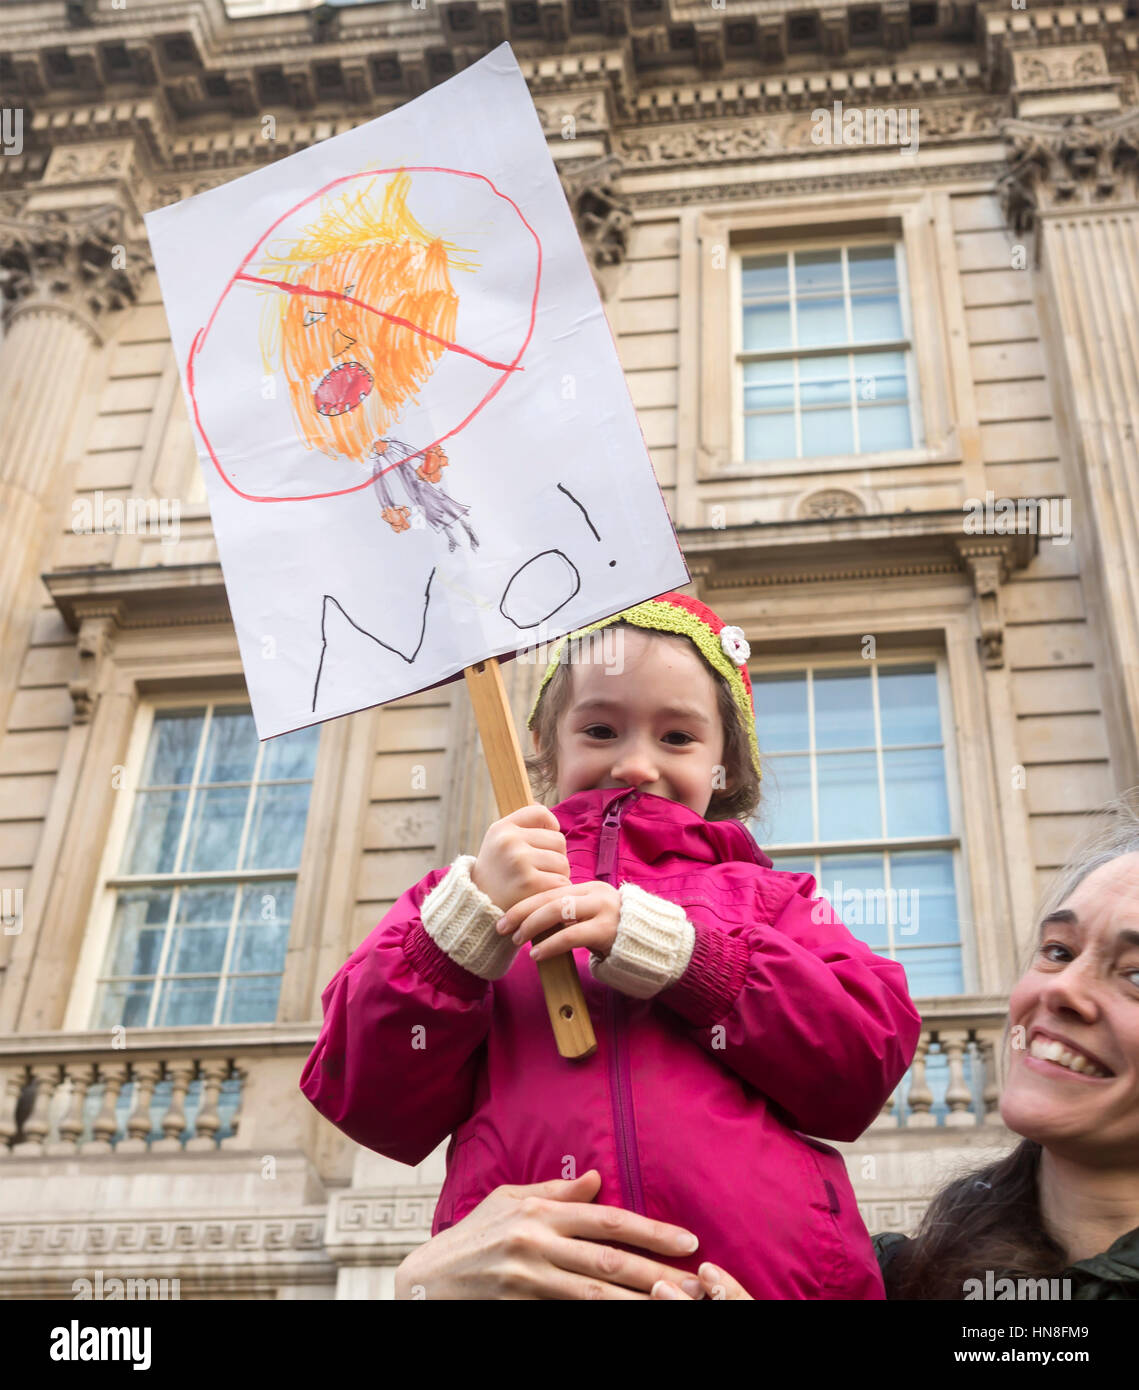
(1113, 831)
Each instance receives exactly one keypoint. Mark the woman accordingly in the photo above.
(1063, 1205)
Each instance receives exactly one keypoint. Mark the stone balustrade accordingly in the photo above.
(954, 1079)
(179, 1090)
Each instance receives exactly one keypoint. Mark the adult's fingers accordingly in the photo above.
(602, 1265)
(589, 1221)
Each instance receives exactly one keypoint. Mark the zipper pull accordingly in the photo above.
(610, 829)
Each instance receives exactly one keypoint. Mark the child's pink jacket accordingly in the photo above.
(696, 1104)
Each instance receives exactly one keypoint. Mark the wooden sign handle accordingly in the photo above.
(565, 1000)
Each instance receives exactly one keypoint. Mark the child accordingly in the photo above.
(734, 1015)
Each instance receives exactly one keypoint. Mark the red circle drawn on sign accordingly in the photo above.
(507, 368)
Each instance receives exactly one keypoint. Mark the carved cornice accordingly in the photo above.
(1077, 162)
(823, 549)
(163, 1235)
(154, 596)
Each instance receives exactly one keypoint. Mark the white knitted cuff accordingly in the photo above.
(459, 917)
(654, 944)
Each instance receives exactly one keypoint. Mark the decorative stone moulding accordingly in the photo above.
(1078, 161)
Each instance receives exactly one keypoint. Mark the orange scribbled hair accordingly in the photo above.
(393, 264)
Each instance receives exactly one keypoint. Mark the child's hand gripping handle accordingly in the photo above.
(565, 1001)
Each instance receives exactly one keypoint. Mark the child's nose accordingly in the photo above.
(636, 767)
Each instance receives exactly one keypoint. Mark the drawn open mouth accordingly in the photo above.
(342, 389)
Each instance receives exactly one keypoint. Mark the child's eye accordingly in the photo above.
(591, 728)
(677, 733)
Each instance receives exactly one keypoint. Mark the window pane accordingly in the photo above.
(871, 267)
(931, 972)
(781, 712)
(204, 915)
(925, 898)
(291, 755)
(765, 275)
(137, 932)
(856, 887)
(881, 376)
(263, 929)
(916, 801)
(215, 831)
(152, 840)
(770, 436)
(173, 748)
(844, 709)
(820, 322)
(827, 432)
(278, 829)
(766, 326)
(883, 427)
(848, 796)
(123, 1001)
(793, 863)
(251, 1000)
(183, 1003)
(825, 380)
(768, 385)
(907, 698)
(789, 809)
(232, 747)
(817, 271)
(875, 317)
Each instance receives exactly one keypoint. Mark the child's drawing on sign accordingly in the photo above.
(363, 309)
(422, 485)
(375, 338)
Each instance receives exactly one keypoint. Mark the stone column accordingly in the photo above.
(1072, 188)
(59, 276)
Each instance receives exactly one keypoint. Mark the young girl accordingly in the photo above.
(734, 1014)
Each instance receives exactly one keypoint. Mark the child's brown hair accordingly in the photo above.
(739, 803)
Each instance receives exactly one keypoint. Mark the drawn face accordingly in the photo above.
(351, 369)
(1081, 995)
(648, 719)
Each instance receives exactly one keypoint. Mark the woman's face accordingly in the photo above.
(642, 713)
(1080, 998)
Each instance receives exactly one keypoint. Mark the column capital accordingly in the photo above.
(602, 216)
(80, 261)
(1078, 162)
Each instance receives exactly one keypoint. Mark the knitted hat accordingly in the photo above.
(724, 648)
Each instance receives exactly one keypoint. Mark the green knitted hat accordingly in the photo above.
(724, 648)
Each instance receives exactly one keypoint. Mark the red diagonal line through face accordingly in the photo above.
(391, 318)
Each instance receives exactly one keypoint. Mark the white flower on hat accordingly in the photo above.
(734, 643)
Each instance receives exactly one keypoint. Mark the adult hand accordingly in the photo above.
(714, 1283)
(544, 1241)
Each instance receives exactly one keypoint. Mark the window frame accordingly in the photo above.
(905, 344)
(955, 841)
(710, 308)
(108, 883)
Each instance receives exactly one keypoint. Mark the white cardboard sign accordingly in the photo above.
(419, 447)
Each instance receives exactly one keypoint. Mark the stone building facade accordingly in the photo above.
(763, 190)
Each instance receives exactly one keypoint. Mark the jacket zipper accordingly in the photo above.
(620, 1080)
